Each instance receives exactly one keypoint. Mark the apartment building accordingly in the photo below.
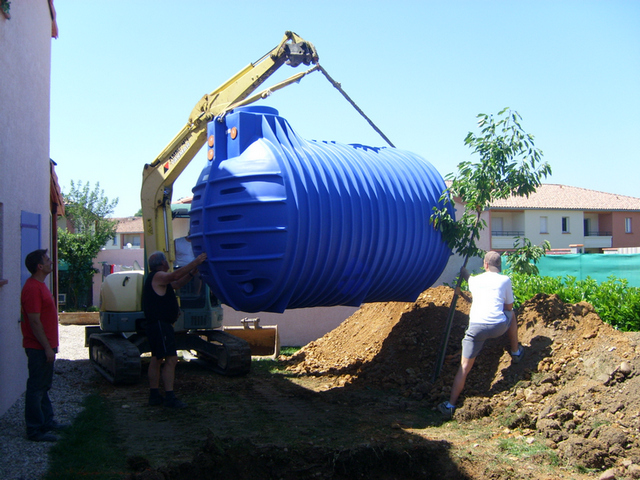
(566, 216)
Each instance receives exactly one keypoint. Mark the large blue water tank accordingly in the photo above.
(291, 223)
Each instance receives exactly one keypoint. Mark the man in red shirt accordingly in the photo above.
(40, 341)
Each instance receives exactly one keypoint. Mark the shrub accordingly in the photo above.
(614, 301)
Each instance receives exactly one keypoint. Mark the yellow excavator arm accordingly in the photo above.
(159, 176)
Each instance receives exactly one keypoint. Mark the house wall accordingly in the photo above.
(295, 327)
(121, 239)
(25, 65)
(620, 238)
(556, 238)
(605, 222)
(529, 222)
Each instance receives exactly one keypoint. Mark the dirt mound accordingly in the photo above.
(360, 403)
(578, 385)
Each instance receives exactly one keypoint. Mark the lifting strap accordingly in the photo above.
(344, 94)
(295, 79)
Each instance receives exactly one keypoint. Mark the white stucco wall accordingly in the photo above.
(295, 327)
(554, 227)
(25, 65)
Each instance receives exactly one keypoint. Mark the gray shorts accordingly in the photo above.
(478, 333)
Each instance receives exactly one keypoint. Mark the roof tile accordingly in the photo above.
(563, 197)
(129, 225)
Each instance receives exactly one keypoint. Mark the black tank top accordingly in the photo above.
(156, 307)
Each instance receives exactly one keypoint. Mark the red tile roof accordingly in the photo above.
(129, 225)
(563, 197)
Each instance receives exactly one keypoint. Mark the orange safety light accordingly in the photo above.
(234, 133)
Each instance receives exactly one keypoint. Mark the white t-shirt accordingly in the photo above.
(184, 252)
(490, 290)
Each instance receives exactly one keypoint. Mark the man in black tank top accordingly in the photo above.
(161, 311)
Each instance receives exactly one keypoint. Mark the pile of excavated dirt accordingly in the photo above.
(578, 385)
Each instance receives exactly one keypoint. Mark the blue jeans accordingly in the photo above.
(38, 411)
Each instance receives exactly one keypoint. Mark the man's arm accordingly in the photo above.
(184, 280)
(38, 332)
(173, 278)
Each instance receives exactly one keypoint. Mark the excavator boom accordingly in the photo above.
(160, 175)
(115, 346)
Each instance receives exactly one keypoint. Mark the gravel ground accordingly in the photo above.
(21, 459)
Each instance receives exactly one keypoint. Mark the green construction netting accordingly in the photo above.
(597, 266)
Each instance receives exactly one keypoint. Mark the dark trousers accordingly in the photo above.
(38, 411)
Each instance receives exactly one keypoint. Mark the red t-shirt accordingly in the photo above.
(36, 298)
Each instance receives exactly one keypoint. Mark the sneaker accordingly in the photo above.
(516, 357)
(43, 437)
(155, 401)
(446, 411)
(173, 402)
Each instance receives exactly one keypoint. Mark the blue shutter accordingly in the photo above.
(30, 225)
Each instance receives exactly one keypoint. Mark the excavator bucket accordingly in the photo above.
(264, 341)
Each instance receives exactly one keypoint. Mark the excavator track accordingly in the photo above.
(115, 357)
(224, 353)
(118, 358)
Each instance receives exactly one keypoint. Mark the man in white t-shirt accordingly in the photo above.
(491, 316)
(184, 251)
(184, 255)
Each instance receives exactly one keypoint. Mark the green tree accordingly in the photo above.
(509, 164)
(523, 258)
(87, 210)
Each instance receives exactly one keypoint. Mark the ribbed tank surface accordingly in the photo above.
(290, 223)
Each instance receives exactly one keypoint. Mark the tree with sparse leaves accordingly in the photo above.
(87, 210)
(509, 164)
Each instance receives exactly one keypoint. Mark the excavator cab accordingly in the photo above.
(201, 308)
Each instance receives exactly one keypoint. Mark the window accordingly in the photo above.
(565, 224)
(627, 225)
(543, 225)
(133, 239)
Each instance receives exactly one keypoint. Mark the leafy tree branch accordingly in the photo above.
(86, 210)
(509, 164)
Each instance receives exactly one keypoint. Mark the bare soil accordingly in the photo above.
(360, 403)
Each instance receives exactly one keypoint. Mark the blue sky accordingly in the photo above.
(126, 75)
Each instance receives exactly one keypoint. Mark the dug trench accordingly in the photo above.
(360, 403)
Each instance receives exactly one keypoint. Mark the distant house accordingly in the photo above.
(30, 197)
(124, 252)
(129, 234)
(566, 216)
